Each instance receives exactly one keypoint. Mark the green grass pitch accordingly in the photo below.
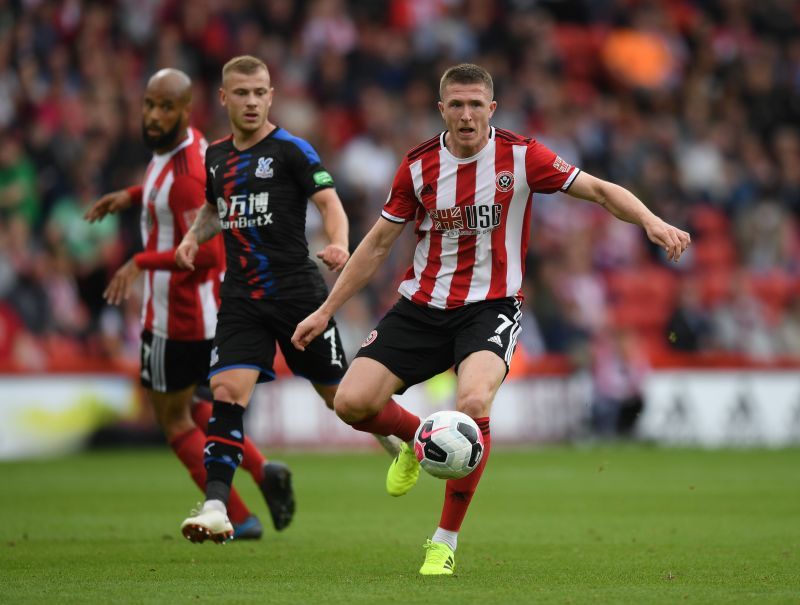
(614, 524)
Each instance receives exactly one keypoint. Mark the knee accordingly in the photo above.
(351, 407)
(225, 391)
(475, 404)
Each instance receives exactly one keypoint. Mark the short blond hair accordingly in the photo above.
(244, 64)
(467, 73)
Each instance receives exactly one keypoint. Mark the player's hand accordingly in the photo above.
(334, 256)
(673, 240)
(108, 204)
(120, 287)
(186, 252)
(308, 329)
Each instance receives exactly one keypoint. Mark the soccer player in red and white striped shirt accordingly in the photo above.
(179, 313)
(468, 192)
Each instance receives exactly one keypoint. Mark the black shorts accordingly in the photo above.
(247, 331)
(417, 343)
(171, 365)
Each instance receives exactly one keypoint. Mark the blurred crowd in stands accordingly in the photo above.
(693, 105)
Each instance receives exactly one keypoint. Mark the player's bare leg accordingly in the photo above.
(390, 443)
(365, 391)
(363, 400)
(172, 411)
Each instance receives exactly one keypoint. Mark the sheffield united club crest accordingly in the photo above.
(370, 339)
(504, 181)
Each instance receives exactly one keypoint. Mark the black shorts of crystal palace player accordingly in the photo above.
(416, 343)
(247, 331)
(172, 365)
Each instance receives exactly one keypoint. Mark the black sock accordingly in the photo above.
(224, 448)
(218, 490)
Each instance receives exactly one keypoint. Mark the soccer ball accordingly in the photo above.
(448, 445)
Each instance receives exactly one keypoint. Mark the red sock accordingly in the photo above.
(393, 419)
(253, 461)
(188, 447)
(458, 492)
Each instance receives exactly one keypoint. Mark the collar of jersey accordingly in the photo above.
(261, 140)
(484, 150)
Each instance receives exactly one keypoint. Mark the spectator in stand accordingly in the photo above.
(789, 330)
(739, 323)
(91, 248)
(619, 366)
(367, 161)
(689, 327)
(582, 286)
(530, 340)
(328, 29)
(19, 199)
(11, 329)
(764, 233)
(560, 327)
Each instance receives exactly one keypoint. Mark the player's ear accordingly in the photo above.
(222, 97)
(492, 108)
(441, 108)
(186, 113)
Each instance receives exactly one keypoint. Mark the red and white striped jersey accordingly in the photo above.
(179, 305)
(472, 216)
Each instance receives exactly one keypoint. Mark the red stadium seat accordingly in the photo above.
(643, 316)
(642, 286)
(773, 289)
(708, 221)
(714, 285)
(642, 300)
(714, 252)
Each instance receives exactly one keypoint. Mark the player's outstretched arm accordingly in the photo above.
(334, 221)
(625, 206)
(366, 259)
(108, 204)
(205, 226)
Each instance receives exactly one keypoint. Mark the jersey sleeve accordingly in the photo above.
(136, 194)
(546, 171)
(307, 168)
(185, 200)
(401, 205)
